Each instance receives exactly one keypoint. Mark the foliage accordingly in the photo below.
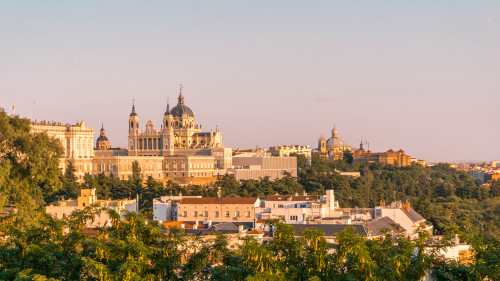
(29, 169)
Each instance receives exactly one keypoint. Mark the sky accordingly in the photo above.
(422, 76)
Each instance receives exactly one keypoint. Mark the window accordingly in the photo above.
(280, 205)
(185, 214)
(293, 218)
(195, 213)
(216, 214)
(206, 213)
(227, 214)
(237, 213)
(247, 214)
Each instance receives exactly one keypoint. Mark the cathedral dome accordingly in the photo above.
(102, 138)
(180, 109)
(335, 141)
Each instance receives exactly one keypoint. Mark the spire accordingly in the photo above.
(133, 109)
(361, 146)
(168, 107)
(181, 97)
(103, 132)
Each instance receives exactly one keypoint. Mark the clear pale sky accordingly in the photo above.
(423, 76)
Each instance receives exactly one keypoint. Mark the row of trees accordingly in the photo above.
(138, 250)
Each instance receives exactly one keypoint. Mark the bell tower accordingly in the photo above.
(168, 132)
(133, 131)
(322, 144)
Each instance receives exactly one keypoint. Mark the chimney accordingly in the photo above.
(407, 206)
(195, 226)
(209, 223)
(240, 228)
(183, 226)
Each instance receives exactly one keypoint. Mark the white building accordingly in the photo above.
(297, 209)
(165, 207)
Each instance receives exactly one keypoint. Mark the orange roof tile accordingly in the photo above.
(255, 231)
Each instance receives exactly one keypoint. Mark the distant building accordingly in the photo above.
(87, 198)
(422, 163)
(390, 157)
(334, 146)
(165, 208)
(77, 142)
(254, 166)
(227, 209)
(486, 174)
(286, 150)
(178, 151)
(299, 209)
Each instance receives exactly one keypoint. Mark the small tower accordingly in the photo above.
(102, 141)
(133, 131)
(322, 144)
(168, 132)
(133, 121)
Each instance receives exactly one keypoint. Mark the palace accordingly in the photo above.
(178, 150)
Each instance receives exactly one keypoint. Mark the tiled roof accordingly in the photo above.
(226, 200)
(414, 216)
(293, 197)
(375, 226)
(255, 231)
(187, 225)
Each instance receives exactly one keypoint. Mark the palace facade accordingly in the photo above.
(179, 150)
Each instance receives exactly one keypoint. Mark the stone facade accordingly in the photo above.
(390, 157)
(178, 151)
(77, 141)
(253, 166)
(228, 209)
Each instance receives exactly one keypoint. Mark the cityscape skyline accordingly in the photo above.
(282, 75)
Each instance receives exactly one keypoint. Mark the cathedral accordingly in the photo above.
(333, 148)
(178, 134)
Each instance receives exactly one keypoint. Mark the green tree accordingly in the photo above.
(29, 165)
(347, 156)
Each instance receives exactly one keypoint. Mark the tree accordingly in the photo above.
(29, 165)
(347, 156)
